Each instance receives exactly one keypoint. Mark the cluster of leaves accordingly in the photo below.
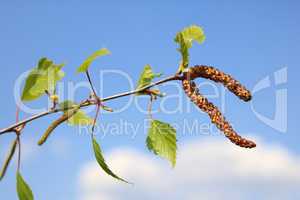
(161, 139)
(42, 80)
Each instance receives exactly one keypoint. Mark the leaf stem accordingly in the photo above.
(91, 83)
(19, 153)
(150, 106)
(96, 117)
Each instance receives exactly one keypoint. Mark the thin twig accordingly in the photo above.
(170, 78)
(95, 119)
(18, 132)
(90, 82)
(85, 103)
(98, 101)
(150, 106)
(17, 113)
(19, 153)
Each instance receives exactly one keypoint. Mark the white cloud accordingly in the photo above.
(206, 169)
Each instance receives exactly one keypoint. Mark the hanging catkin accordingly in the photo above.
(215, 115)
(8, 159)
(216, 75)
(67, 115)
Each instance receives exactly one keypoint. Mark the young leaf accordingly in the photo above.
(184, 50)
(192, 33)
(185, 39)
(162, 140)
(44, 77)
(77, 119)
(146, 77)
(101, 161)
(80, 119)
(28, 94)
(23, 189)
(8, 159)
(86, 64)
(67, 105)
(44, 64)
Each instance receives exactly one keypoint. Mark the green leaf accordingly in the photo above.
(146, 77)
(86, 64)
(41, 78)
(24, 191)
(162, 140)
(190, 34)
(67, 105)
(101, 161)
(185, 39)
(78, 119)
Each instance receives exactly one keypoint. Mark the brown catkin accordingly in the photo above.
(8, 159)
(216, 75)
(215, 115)
(55, 124)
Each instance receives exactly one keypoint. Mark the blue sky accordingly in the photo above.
(250, 40)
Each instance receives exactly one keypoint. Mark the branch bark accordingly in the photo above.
(86, 103)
